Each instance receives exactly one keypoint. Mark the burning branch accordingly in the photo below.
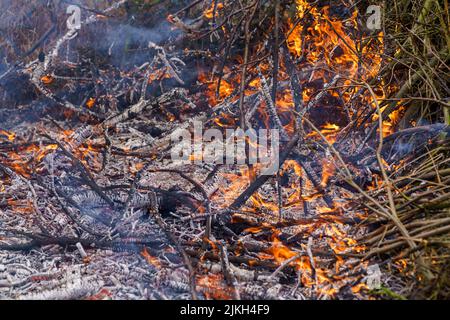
(87, 151)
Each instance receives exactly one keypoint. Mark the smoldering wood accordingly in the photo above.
(95, 186)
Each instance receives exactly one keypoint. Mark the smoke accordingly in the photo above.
(127, 44)
(409, 141)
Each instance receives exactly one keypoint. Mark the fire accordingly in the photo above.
(136, 167)
(327, 172)
(21, 206)
(44, 151)
(154, 261)
(296, 193)
(294, 39)
(9, 135)
(238, 183)
(339, 241)
(208, 14)
(294, 42)
(373, 52)
(47, 79)
(330, 132)
(103, 294)
(280, 252)
(259, 202)
(254, 230)
(324, 37)
(159, 74)
(359, 287)
(212, 286)
(23, 161)
(324, 210)
(318, 41)
(226, 87)
(327, 40)
(402, 265)
(302, 264)
(394, 118)
(88, 152)
(90, 103)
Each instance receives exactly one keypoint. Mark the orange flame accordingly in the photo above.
(9, 135)
(151, 259)
(90, 103)
(328, 170)
(208, 14)
(47, 79)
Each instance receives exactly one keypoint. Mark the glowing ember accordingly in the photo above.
(327, 171)
(151, 259)
(220, 222)
(9, 135)
(212, 286)
(90, 103)
(47, 79)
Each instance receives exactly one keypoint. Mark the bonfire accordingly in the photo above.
(220, 149)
